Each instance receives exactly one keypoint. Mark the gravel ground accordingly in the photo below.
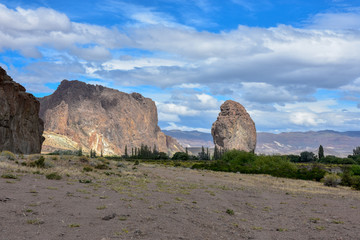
(158, 202)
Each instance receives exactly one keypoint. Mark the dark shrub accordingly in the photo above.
(307, 157)
(315, 173)
(53, 176)
(180, 156)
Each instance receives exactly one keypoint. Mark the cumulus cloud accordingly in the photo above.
(305, 119)
(172, 126)
(274, 71)
(347, 20)
(26, 30)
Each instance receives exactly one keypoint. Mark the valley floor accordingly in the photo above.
(150, 201)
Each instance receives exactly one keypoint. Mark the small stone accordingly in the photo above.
(109, 217)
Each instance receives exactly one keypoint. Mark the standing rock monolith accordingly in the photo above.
(234, 128)
(20, 126)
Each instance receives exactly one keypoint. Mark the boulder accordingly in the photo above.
(234, 128)
(21, 128)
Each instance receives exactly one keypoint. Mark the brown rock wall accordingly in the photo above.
(20, 126)
(101, 118)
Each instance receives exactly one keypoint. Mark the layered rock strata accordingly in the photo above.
(103, 119)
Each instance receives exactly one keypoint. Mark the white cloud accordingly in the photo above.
(41, 19)
(117, 64)
(273, 71)
(27, 29)
(347, 20)
(209, 101)
(173, 126)
(166, 117)
(305, 119)
(176, 109)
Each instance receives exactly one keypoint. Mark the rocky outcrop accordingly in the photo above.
(234, 128)
(20, 126)
(102, 119)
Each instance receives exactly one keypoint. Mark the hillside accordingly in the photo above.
(334, 143)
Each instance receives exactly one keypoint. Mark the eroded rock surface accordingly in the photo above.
(100, 118)
(20, 126)
(234, 128)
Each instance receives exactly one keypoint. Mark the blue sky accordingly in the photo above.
(293, 64)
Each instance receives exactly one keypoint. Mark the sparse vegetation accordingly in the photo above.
(101, 207)
(9, 155)
(53, 176)
(331, 180)
(9, 176)
(35, 221)
(277, 166)
(74, 225)
(87, 169)
(230, 212)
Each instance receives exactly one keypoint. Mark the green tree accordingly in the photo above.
(321, 152)
(356, 151)
(180, 156)
(80, 152)
(307, 157)
(126, 152)
(203, 155)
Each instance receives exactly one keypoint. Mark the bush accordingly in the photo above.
(314, 173)
(346, 177)
(9, 176)
(293, 158)
(40, 163)
(230, 212)
(101, 166)
(64, 152)
(355, 170)
(355, 182)
(84, 159)
(307, 157)
(9, 155)
(277, 166)
(331, 180)
(87, 169)
(239, 158)
(53, 176)
(336, 160)
(180, 156)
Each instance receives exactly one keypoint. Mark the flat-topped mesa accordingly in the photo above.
(100, 118)
(234, 128)
(20, 126)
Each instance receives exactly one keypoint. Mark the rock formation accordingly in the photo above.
(20, 126)
(234, 128)
(79, 115)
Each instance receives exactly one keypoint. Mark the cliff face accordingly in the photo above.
(234, 128)
(100, 118)
(20, 126)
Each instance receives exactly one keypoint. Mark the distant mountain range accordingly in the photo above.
(334, 143)
(191, 138)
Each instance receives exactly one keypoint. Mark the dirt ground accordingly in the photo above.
(157, 202)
